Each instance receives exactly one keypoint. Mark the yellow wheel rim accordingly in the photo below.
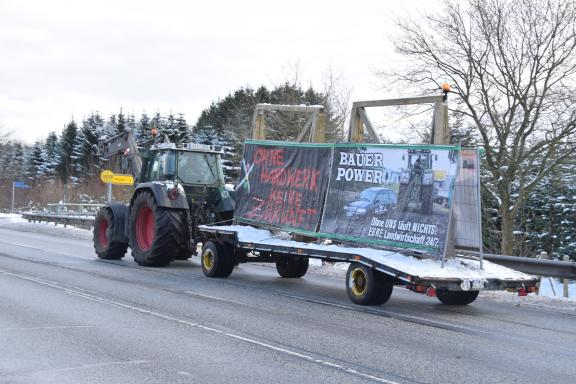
(208, 259)
(358, 282)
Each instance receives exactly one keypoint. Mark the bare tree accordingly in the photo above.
(513, 65)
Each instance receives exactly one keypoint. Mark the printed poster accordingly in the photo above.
(396, 196)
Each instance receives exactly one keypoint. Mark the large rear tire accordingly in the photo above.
(104, 227)
(366, 286)
(292, 267)
(457, 297)
(157, 234)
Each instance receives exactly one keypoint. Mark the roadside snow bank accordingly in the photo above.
(14, 221)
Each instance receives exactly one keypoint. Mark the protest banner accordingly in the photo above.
(390, 195)
(283, 184)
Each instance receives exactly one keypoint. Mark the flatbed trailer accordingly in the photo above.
(372, 272)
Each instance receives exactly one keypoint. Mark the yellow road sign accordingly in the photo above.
(117, 179)
(106, 176)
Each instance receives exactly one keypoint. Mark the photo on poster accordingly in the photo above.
(397, 196)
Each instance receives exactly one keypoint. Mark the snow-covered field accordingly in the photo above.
(550, 292)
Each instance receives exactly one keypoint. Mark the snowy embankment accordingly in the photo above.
(550, 297)
(14, 221)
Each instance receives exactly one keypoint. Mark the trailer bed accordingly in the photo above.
(417, 272)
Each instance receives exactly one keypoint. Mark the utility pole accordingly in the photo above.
(13, 188)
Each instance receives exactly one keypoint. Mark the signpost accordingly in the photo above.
(19, 185)
(110, 178)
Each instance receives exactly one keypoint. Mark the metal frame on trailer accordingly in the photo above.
(414, 283)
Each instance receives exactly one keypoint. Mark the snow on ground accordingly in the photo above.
(14, 221)
(547, 300)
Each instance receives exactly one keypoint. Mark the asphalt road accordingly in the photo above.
(67, 317)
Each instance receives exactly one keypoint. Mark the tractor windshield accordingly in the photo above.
(197, 168)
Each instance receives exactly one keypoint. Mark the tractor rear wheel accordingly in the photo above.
(157, 234)
(104, 227)
(292, 267)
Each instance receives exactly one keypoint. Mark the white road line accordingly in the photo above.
(77, 292)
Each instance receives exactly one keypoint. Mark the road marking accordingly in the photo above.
(78, 292)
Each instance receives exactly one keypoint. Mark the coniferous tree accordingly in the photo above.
(65, 166)
(120, 123)
(34, 163)
(50, 155)
(143, 129)
(182, 130)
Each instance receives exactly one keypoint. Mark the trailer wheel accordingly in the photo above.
(384, 287)
(156, 234)
(292, 267)
(456, 297)
(104, 227)
(365, 286)
(217, 259)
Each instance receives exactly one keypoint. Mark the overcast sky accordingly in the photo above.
(63, 59)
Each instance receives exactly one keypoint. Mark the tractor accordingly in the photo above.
(178, 187)
(417, 182)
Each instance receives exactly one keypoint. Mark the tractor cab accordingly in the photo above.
(193, 168)
(419, 165)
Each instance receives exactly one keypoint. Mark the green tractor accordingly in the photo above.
(416, 190)
(179, 186)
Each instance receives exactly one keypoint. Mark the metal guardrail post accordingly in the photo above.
(565, 280)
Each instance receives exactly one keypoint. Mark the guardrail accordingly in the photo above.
(66, 214)
(534, 266)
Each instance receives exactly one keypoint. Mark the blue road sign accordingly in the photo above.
(21, 185)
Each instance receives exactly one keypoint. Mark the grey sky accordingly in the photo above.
(63, 59)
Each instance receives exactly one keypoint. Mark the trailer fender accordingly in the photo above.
(160, 192)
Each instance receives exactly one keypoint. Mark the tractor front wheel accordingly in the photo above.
(105, 246)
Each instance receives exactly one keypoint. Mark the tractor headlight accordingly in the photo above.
(225, 194)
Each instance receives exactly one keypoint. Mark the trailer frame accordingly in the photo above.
(268, 252)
